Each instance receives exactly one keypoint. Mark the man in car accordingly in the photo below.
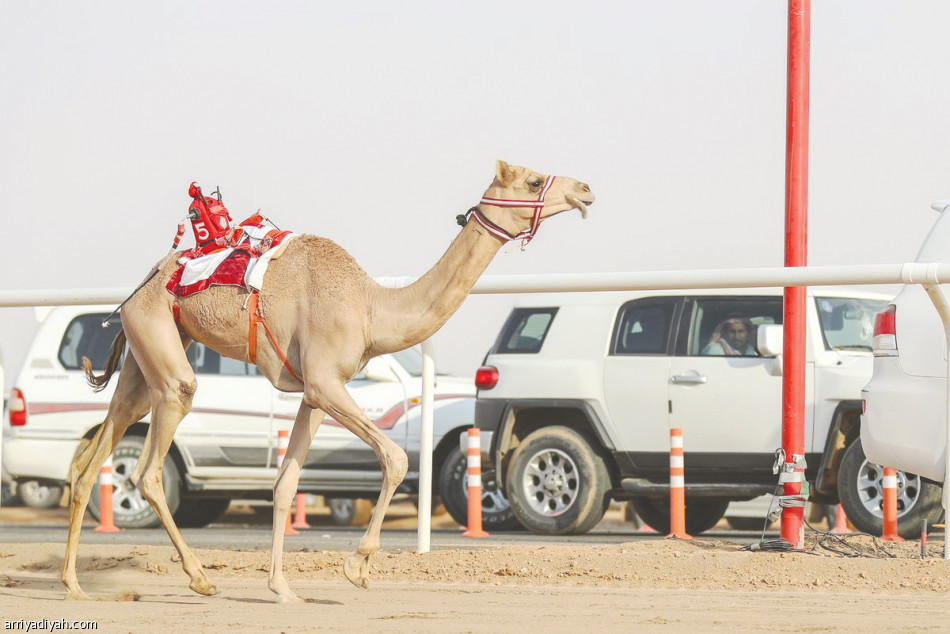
(731, 338)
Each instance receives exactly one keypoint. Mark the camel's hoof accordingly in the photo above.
(284, 593)
(356, 569)
(289, 598)
(204, 587)
(77, 595)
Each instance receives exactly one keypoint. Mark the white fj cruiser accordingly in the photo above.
(579, 392)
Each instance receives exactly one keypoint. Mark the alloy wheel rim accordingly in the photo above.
(493, 500)
(550, 482)
(127, 500)
(871, 490)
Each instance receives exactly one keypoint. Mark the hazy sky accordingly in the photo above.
(375, 123)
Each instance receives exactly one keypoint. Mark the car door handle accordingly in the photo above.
(688, 379)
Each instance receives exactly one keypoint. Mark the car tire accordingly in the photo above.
(129, 507)
(40, 495)
(701, 513)
(199, 512)
(557, 484)
(747, 523)
(7, 495)
(350, 511)
(861, 494)
(453, 490)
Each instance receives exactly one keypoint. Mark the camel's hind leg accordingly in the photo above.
(172, 386)
(392, 460)
(305, 426)
(129, 404)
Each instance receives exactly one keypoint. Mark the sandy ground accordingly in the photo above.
(656, 585)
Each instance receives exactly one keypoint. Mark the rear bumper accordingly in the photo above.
(904, 422)
(484, 439)
(38, 458)
(489, 415)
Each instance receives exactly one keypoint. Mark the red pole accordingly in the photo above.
(796, 232)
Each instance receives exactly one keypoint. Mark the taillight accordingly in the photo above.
(885, 332)
(17, 408)
(486, 377)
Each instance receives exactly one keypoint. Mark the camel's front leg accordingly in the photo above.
(285, 487)
(394, 464)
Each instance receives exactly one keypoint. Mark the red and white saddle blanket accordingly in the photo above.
(242, 264)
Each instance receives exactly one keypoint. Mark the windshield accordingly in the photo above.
(410, 359)
(847, 323)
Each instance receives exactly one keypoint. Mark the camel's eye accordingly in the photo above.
(535, 184)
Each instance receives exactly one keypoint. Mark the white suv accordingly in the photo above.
(904, 424)
(579, 392)
(226, 447)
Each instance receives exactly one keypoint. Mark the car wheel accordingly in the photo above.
(557, 484)
(129, 507)
(38, 495)
(453, 490)
(199, 512)
(701, 513)
(350, 511)
(860, 489)
(7, 495)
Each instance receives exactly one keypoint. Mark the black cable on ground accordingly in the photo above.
(832, 542)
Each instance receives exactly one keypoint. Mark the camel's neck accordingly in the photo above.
(407, 316)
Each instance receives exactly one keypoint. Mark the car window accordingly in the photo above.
(847, 322)
(727, 326)
(410, 359)
(644, 327)
(204, 360)
(525, 330)
(85, 337)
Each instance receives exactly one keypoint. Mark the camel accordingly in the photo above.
(327, 318)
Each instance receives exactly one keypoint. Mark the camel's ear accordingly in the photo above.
(504, 173)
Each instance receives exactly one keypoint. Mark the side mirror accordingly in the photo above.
(378, 369)
(770, 340)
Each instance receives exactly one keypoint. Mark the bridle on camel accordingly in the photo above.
(526, 235)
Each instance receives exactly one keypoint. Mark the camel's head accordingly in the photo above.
(519, 199)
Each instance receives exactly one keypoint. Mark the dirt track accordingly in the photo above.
(644, 586)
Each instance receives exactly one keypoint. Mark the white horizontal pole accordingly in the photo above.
(909, 273)
(64, 297)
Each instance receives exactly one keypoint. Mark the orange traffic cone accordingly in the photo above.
(677, 487)
(474, 528)
(890, 506)
(283, 439)
(300, 517)
(106, 519)
(841, 521)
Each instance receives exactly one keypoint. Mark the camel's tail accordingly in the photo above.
(99, 383)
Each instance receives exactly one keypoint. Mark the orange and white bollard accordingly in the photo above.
(300, 517)
(283, 439)
(106, 484)
(890, 506)
(841, 522)
(677, 486)
(474, 528)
